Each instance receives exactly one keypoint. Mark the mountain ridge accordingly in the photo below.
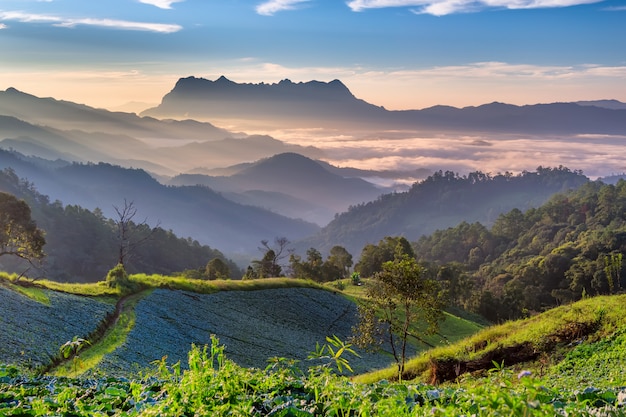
(330, 105)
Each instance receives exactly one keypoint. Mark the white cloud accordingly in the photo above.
(271, 7)
(106, 23)
(444, 7)
(122, 24)
(3, 26)
(161, 4)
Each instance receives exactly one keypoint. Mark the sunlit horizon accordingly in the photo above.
(408, 54)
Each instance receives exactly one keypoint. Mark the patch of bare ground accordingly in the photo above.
(449, 369)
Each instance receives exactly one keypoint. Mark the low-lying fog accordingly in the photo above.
(595, 155)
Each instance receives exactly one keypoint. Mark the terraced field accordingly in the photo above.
(32, 331)
(253, 325)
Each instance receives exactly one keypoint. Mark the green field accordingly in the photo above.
(567, 361)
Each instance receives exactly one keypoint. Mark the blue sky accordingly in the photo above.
(397, 53)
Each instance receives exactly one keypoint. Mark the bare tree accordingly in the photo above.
(270, 265)
(128, 232)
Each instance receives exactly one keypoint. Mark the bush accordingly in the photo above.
(118, 278)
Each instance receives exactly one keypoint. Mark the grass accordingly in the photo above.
(452, 329)
(34, 288)
(209, 287)
(214, 385)
(586, 377)
(113, 338)
(34, 293)
(539, 330)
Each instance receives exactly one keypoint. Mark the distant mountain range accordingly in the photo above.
(230, 190)
(315, 104)
(55, 129)
(290, 184)
(190, 211)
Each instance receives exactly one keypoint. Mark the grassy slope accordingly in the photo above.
(452, 329)
(552, 335)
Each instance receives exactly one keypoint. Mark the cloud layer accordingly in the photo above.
(161, 4)
(271, 7)
(23, 17)
(444, 7)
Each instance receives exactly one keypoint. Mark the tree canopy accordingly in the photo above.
(568, 248)
(19, 234)
(399, 296)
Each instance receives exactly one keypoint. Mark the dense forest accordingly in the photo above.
(569, 248)
(83, 245)
(442, 200)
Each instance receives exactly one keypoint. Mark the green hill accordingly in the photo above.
(442, 200)
(548, 344)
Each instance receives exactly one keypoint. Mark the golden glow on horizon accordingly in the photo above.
(458, 86)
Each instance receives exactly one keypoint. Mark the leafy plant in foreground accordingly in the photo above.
(71, 349)
(336, 348)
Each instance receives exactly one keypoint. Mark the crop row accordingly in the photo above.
(33, 332)
(253, 325)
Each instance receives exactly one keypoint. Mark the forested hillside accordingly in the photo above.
(83, 245)
(567, 249)
(195, 211)
(442, 200)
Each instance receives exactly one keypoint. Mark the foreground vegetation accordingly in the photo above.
(214, 385)
(577, 367)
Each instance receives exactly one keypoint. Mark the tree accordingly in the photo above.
(269, 265)
(340, 258)
(314, 267)
(373, 256)
(128, 232)
(19, 235)
(400, 296)
(217, 269)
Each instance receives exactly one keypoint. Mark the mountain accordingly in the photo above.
(332, 105)
(54, 129)
(300, 181)
(286, 101)
(194, 211)
(441, 201)
(65, 115)
(607, 104)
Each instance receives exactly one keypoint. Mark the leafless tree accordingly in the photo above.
(128, 232)
(277, 253)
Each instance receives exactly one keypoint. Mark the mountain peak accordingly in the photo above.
(222, 80)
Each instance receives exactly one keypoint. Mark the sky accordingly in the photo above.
(400, 54)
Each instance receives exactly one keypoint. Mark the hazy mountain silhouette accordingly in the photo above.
(193, 211)
(292, 103)
(53, 129)
(607, 104)
(65, 115)
(314, 104)
(293, 175)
